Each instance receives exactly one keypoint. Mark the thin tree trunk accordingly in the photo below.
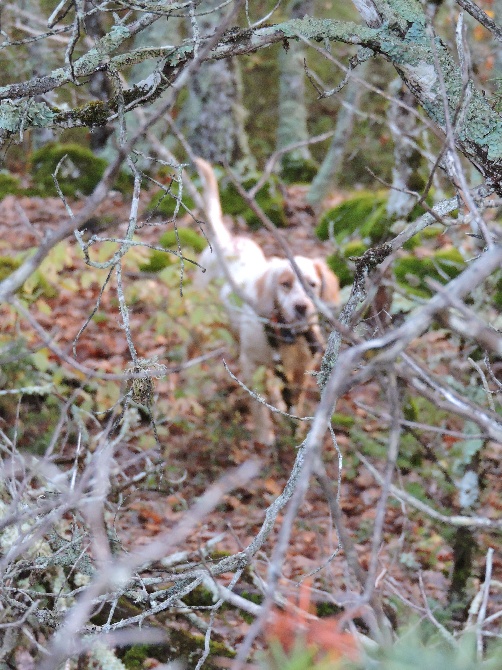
(292, 113)
(403, 127)
(213, 116)
(326, 178)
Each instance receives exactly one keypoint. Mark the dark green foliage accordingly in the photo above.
(412, 272)
(80, 171)
(9, 185)
(269, 198)
(298, 170)
(187, 237)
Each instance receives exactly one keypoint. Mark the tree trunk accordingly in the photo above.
(403, 127)
(326, 178)
(213, 116)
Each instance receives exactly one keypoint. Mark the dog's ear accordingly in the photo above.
(330, 287)
(264, 293)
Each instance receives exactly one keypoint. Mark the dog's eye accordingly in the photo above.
(287, 285)
(313, 284)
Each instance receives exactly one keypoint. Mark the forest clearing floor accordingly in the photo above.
(204, 425)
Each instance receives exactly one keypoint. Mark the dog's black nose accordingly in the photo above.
(301, 309)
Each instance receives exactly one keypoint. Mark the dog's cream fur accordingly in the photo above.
(269, 291)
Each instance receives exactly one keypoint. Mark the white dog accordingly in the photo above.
(274, 318)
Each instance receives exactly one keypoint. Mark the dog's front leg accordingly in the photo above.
(263, 425)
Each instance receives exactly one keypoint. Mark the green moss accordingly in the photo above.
(366, 212)
(268, 198)
(298, 170)
(354, 249)
(79, 172)
(340, 266)
(412, 272)
(164, 204)
(340, 263)
(343, 420)
(187, 237)
(9, 185)
(199, 597)
(134, 657)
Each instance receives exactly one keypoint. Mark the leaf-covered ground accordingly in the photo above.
(204, 424)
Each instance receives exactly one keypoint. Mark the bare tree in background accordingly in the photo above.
(97, 597)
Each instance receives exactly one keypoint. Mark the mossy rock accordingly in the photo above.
(366, 212)
(298, 170)
(80, 171)
(412, 272)
(269, 198)
(9, 185)
(188, 238)
(164, 204)
(340, 264)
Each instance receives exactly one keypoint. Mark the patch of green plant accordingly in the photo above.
(366, 212)
(411, 272)
(187, 238)
(298, 170)
(39, 411)
(79, 172)
(410, 452)
(342, 420)
(37, 284)
(369, 445)
(269, 198)
(166, 204)
(9, 185)
(421, 647)
(417, 491)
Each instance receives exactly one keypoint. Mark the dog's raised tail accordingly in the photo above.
(211, 197)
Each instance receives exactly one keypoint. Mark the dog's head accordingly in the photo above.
(281, 294)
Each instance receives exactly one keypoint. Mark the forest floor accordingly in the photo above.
(204, 425)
